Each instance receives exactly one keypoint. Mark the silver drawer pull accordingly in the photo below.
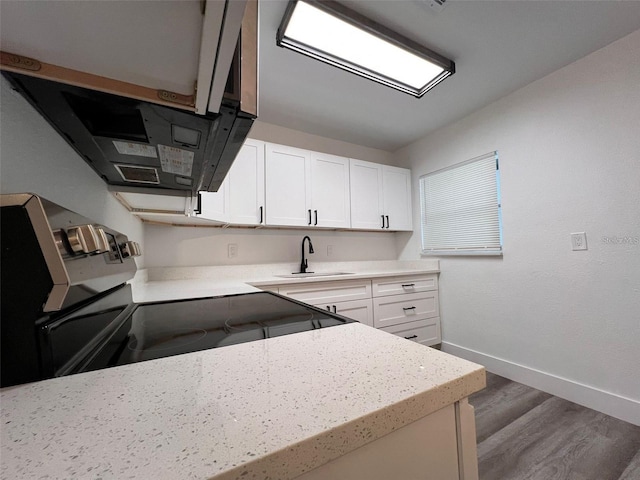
(408, 285)
(408, 308)
(411, 337)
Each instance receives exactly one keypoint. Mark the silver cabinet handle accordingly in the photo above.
(382, 220)
(335, 310)
(316, 214)
(387, 220)
(309, 216)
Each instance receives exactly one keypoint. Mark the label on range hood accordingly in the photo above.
(176, 160)
(137, 149)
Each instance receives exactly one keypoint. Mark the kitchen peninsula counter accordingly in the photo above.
(268, 409)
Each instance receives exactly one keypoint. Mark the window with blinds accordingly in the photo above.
(460, 209)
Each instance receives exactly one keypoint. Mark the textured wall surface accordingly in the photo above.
(294, 138)
(185, 246)
(569, 148)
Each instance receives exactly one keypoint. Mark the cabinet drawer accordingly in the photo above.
(404, 284)
(426, 332)
(397, 309)
(328, 293)
(360, 310)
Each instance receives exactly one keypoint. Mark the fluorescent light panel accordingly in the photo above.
(336, 35)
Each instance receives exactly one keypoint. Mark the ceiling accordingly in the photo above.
(498, 47)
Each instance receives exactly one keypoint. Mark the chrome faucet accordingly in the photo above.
(303, 264)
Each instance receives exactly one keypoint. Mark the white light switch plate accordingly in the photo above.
(579, 241)
(232, 250)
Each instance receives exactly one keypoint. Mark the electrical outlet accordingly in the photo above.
(329, 250)
(232, 250)
(579, 241)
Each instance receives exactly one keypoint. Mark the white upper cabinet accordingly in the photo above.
(396, 188)
(215, 205)
(306, 189)
(330, 191)
(240, 199)
(380, 196)
(366, 195)
(245, 185)
(287, 186)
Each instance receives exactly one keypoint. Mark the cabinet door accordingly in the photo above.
(287, 186)
(366, 195)
(360, 310)
(245, 184)
(215, 205)
(397, 198)
(330, 191)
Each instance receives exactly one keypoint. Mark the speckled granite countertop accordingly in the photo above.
(269, 409)
(171, 283)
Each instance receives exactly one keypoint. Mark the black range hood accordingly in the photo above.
(138, 146)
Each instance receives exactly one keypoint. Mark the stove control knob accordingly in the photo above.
(103, 241)
(83, 239)
(130, 249)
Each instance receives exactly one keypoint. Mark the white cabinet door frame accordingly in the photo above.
(215, 205)
(330, 200)
(365, 180)
(396, 189)
(245, 185)
(287, 186)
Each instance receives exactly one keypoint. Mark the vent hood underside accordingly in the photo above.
(139, 146)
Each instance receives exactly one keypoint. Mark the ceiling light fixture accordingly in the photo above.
(334, 34)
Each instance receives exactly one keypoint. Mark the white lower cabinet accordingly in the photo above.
(351, 299)
(406, 306)
(440, 446)
(360, 310)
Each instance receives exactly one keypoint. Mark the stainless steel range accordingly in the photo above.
(67, 307)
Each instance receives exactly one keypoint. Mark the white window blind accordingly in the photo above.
(460, 209)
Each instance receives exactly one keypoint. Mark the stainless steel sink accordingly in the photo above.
(312, 274)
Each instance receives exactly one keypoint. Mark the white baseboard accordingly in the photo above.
(617, 406)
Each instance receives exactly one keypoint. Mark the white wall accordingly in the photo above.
(285, 136)
(34, 158)
(189, 246)
(569, 148)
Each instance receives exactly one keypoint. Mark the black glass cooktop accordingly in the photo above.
(163, 329)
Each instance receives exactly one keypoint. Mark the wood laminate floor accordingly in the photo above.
(526, 434)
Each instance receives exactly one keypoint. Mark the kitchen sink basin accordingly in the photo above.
(312, 274)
